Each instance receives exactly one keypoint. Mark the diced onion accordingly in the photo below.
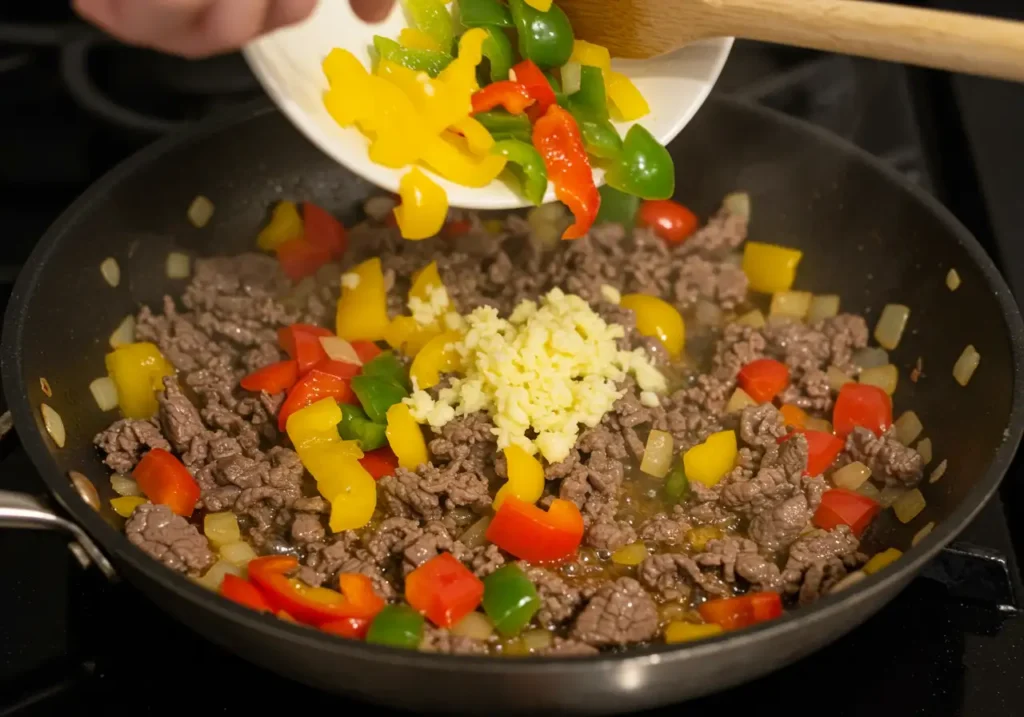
(708, 314)
(794, 304)
(871, 357)
(890, 326)
(124, 333)
(754, 319)
(909, 505)
(890, 494)
(537, 639)
(547, 222)
(924, 448)
(965, 366)
(908, 427)
(124, 485)
(221, 528)
(571, 77)
(44, 386)
(824, 306)
(215, 575)
(200, 211)
(338, 349)
(379, 208)
(657, 454)
(885, 377)
(870, 490)
(940, 470)
(178, 265)
(739, 400)
(851, 476)
(837, 379)
(817, 424)
(737, 204)
(111, 271)
(923, 533)
(852, 579)
(239, 553)
(632, 554)
(105, 392)
(474, 536)
(952, 280)
(54, 425)
(475, 625)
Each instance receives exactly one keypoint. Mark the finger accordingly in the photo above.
(227, 25)
(154, 23)
(288, 12)
(372, 10)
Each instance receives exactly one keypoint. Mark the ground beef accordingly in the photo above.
(428, 492)
(781, 525)
(343, 553)
(561, 647)
(169, 538)
(127, 440)
(673, 575)
(439, 640)
(178, 417)
(761, 426)
(559, 599)
(619, 613)
(890, 461)
(469, 440)
(819, 559)
(609, 535)
(307, 528)
(665, 528)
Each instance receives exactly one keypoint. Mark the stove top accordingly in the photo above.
(950, 644)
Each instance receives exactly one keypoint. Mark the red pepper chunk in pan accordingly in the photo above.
(165, 480)
(444, 590)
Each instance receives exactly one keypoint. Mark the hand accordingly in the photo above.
(199, 28)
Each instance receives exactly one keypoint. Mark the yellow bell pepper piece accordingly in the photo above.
(688, 631)
(708, 462)
(440, 104)
(405, 334)
(316, 424)
(457, 165)
(417, 39)
(770, 268)
(345, 100)
(624, 97)
(425, 282)
(658, 318)
(541, 5)
(362, 313)
(632, 554)
(138, 370)
(478, 139)
(285, 223)
(343, 69)
(405, 437)
(587, 53)
(124, 505)
(354, 496)
(424, 206)
(461, 72)
(881, 560)
(698, 537)
(437, 357)
(525, 477)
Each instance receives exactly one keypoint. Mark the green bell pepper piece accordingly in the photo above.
(484, 13)
(510, 599)
(589, 107)
(356, 426)
(396, 626)
(532, 175)
(544, 37)
(377, 394)
(616, 208)
(556, 85)
(644, 167)
(599, 137)
(387, 365)
(433, 18)
(498, 51)
(677, 485)
(504, 125)
(429, 61)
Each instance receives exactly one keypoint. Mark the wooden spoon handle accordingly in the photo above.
(931, 38)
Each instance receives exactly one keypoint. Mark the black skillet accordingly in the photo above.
(867, 235)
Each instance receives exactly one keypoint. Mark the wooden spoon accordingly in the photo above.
(932, 38)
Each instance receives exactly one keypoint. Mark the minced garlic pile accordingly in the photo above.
(545, 370)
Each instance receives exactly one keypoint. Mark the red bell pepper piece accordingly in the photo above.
(311, 388)
(557, 137)
(300, 258)
(845, 507)
(302, 343)
(309, 605)
(822, 449)
(670, 220)
(352, 628)
(444, 590)
(530, 76)
(763, 379)
(165, 480)
(513, 96)
(380, 462)
(323, 230)
(456, 228)
(743, 611)
(527, 532)
(861, 405)
(366, 350)
(275, 378)
(244, 593)
(339, 369)
(794, 416)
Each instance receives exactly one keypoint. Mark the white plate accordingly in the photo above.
(287, 63)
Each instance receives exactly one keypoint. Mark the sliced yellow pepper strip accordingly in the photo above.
(459, 166)
(658, 318)
(362, 313)
(405, 334)
(126, 504)
(688, 631)
(478, 139)
(440, 104)
(424, 206)
(417, 39)
(138, 370)
(632, 554)
(708, 462)
(437, 357)
(345, 101)
(354, 495)
(425, 281)
(770, 268)
(405, 437)
(624, 97)
(541, 5)
(881, 560)
(587, 53)
(461, 72)
(285, 223)
(525, 477)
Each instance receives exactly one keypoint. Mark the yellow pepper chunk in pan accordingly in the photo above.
(770, 268)
(437, 357)
(424, 206)
(362, 313)
(658, 318)
(285, 224)
(708, 462)
(525, 477)
(405, 437)
(138, 370)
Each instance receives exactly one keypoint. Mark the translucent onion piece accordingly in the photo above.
(85, 488)
(871, 357)
(852, 579)
(124, 485)
(338, 349)
(965, 366)
(739, 400)
(890, 494)
(571, 72)
(708, 314)
(54, 425)
(909, 505)
(837, 379)
(885, 377)
(105, 392)
(111, 271)
(923, 533)
(200, 211)
(632, 554)
(737, 204)
(908, 427)
(124, 333)
(221, 528)
(824, 306)
(817, 424)
(215, 575)
(754, 319)
(952, 280)
(924, 448)
(657, 454)
(794, 304)
(379, 208)
(940, 470)
(474, 535)
(537, 639)
(870, 490)
(890, 326)
(851, 476)
(44, 386)
(475, 625)
(178, 265)
(239, 553)
(547, 222)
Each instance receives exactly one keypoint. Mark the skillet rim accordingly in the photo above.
(117, 546)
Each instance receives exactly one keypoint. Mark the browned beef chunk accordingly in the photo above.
(619, 613)
(127, 440)
(169, 538)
